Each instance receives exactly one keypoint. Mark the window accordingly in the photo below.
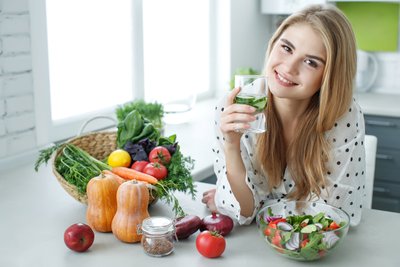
(176, 35)
(90, 58)
(91, 55)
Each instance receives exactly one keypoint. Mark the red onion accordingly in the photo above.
(217, 223)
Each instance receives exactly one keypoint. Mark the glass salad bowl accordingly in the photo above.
(302, 230)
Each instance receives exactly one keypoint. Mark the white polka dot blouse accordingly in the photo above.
(346, 170)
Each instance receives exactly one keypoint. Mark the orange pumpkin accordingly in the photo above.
(132, 204)
(102, 202)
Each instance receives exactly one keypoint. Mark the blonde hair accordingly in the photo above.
(308, 153)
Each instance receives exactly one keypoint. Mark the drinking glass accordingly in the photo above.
(179, 110)
(254, 93)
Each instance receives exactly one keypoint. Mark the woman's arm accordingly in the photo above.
(236, 174)
(346, 171)
(235, 194)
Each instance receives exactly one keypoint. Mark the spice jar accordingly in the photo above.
(158, 236)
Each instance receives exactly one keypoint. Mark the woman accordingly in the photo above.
(314, 146)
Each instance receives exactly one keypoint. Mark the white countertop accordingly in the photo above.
(379, 104)
(36, 211)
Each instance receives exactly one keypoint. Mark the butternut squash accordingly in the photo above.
(102, 202)
(132, 204)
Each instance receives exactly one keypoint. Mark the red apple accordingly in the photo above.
(79, 237)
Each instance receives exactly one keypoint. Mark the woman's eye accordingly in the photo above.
(286, 48)
(311, 63)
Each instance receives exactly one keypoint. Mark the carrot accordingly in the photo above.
(116, 177)
(131, 174)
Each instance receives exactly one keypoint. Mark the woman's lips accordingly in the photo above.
(283, 81)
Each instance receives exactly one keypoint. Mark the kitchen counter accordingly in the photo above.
(36, 211)
(379, 104)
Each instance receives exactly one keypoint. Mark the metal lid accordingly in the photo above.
(157, 225)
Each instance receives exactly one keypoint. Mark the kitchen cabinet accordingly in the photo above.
(387, 169)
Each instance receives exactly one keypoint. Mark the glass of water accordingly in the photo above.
(253, 92)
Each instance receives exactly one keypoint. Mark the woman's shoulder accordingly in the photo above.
(349, 125)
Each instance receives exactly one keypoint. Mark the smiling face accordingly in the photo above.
(296, 63)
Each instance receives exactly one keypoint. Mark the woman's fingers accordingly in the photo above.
(208, 199)
(237, 117)
(231, 96)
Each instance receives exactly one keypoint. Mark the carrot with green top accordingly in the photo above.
(131, 174)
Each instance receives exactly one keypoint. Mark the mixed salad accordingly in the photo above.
(302, 237)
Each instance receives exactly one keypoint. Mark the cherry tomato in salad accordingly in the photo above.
(333, 226)
(269, 229)
(160, 154)
(276, 240)
(139, 165)
(210, 244)
(156, 170)
(304, 243)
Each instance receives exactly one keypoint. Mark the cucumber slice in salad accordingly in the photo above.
(257, 101)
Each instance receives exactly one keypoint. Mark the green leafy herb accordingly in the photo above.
(153, 112)
(45, 156)
(134, 128)
(179, 179)
(75, 165)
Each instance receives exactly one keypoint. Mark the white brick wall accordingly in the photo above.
(14, 24)
(17, 116)
(16, 84)
(15, 63)
(19, 104)
(2, 108)
(15, 44)
(14, 6)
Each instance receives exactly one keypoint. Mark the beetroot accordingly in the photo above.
(186, 226)
(217, 223)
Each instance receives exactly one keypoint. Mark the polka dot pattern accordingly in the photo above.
(345, 176)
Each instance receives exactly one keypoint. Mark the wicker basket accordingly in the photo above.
(97, 144)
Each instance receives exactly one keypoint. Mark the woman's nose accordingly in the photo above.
(291, 65)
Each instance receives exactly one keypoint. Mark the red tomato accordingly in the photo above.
(267, 231)
(270, 229)
(333, 226)
(276, 240)
(304, 243)
(156, 170)
(210, 244)
(139, 165)
(160, 154)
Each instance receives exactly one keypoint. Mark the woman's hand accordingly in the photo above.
(209, 200)
(235, 118)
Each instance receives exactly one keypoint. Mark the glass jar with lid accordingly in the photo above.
(158, 236)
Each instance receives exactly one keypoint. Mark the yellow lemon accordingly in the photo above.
(119, 158)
